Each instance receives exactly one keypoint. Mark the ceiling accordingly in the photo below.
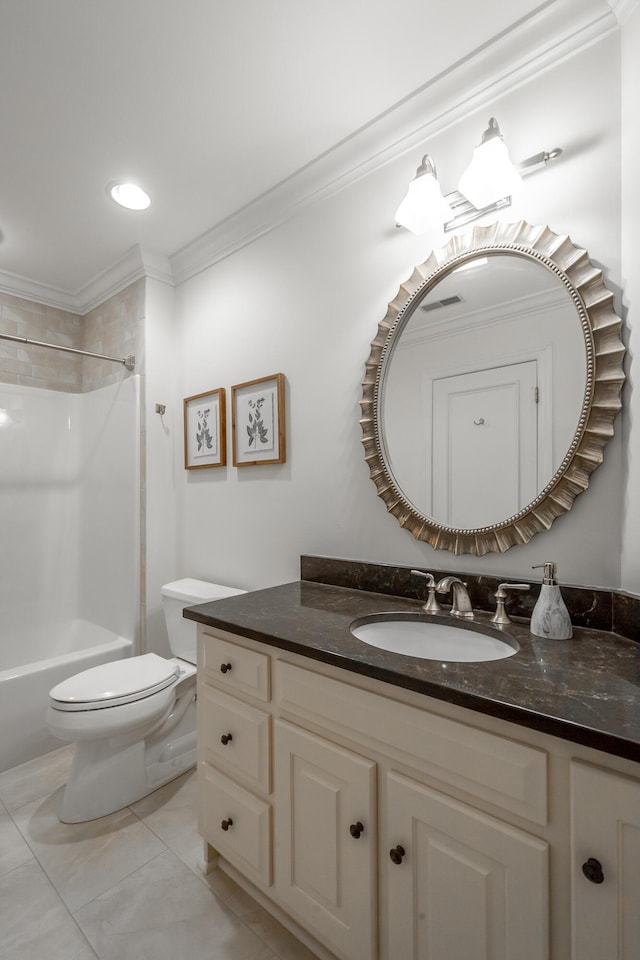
(209, 104)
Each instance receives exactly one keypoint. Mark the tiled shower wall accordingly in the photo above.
(37, 366)
(114, 328)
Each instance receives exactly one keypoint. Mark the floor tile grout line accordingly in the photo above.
(200, 874)
(40, 796)
(224, 901)
(122, 879)
(48, 879)
(51, 879)
(228, 904)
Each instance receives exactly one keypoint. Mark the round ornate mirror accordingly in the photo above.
(491, 388)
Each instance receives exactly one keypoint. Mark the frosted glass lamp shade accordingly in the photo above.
(424, 206)
(490, 176)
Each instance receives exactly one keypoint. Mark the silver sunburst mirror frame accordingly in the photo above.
(602, 397)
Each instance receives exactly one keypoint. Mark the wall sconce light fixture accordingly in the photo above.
(424, 205)
(490, 175)
(487, 185)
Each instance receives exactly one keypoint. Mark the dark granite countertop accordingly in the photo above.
(585, 690)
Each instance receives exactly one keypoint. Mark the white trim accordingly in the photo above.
(493, 316)
(623, 10)
(136, 263)
(17, 286)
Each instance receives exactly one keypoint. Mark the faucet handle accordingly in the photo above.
(432, 605)
(501, 616)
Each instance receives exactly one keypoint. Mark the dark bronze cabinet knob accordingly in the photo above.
(226, 824)
(225, 739)
(592, 870)
(356, 829)
(225, 667)
(396, 854)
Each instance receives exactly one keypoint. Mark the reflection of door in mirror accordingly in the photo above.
(483, 419)
(497, 313)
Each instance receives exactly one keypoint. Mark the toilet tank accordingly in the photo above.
(186, 593)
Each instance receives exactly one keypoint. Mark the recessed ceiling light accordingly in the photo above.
(129, 195)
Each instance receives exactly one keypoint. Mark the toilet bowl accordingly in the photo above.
(133, 721)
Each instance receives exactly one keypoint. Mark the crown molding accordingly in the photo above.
(457, 322)
(623, 10)
(133, 265)
(17, 286)
(553, 33)
(136, 263)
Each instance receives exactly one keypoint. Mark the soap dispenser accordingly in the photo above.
(550, 618)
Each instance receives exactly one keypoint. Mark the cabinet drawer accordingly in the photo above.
(235, 823)
(511, 775)
(232, 667)
(234, 736)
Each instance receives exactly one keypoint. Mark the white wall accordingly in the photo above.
(631, 286)
(306, 300)
(162, 438)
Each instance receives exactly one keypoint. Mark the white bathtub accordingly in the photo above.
(24, 687)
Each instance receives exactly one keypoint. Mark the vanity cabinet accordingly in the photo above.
(359, 818)
(379, 824)
(605, 881)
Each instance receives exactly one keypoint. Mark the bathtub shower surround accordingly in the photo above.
(69, 567)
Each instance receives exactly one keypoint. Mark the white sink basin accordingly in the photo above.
(432, 639)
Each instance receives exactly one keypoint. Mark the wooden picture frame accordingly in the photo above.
(258, 422)
(205, 430)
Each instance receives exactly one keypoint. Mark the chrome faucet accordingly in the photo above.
(461, 605)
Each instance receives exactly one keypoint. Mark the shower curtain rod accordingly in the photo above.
(129, 362)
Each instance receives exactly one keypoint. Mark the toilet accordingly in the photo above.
(133, 721)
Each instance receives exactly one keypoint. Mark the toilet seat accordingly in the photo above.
(115, 683)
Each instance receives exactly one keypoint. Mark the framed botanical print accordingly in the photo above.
(205, 431)
(258, 422)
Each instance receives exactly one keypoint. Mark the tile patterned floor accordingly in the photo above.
(129, 885)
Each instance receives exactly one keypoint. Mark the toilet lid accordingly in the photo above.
(110, 684)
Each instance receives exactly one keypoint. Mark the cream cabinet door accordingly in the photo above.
(605, 846)
(325, 849)
(457, 883)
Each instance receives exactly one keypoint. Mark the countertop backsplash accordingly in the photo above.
(593, 608)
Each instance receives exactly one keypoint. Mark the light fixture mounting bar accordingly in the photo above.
(465, 212)
(538, 159)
